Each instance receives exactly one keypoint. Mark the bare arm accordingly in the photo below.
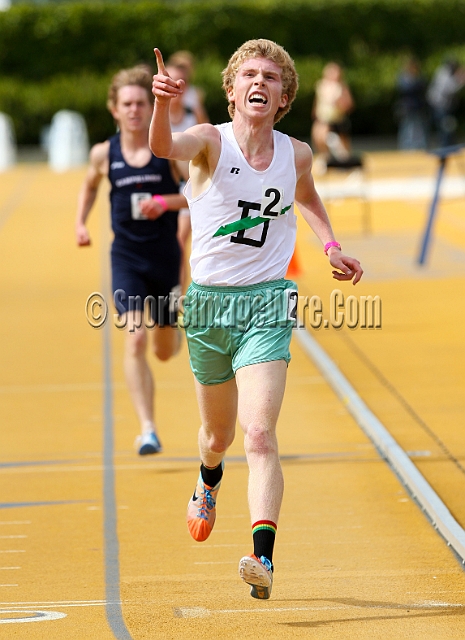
(346, 101)
(313, 211)
(98, 167)
(183, 146)
(154, 208)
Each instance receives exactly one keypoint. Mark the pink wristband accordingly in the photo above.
(161, 200)
(328, 246)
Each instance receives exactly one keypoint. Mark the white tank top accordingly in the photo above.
(243, 224)
(188, 120)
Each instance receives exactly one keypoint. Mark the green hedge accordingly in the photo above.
(42, 40)
(57, 56)
(32, 105)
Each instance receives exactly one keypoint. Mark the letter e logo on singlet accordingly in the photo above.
(272, 202)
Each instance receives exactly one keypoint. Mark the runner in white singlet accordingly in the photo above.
(244, 180)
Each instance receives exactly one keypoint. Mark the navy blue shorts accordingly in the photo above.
(142, 281)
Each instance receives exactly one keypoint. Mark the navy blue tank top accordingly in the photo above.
(154, 178)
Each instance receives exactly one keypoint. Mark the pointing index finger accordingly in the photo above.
(160, 63)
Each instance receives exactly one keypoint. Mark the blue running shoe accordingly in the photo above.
(148, 443)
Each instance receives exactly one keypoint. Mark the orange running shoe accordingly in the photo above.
(201, 510)
(258, 572)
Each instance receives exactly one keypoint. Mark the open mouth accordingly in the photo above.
(258, 98)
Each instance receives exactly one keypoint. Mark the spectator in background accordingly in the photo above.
(331, 108)
(443, 96)
(193, 97)
(181, 67)
(181, 118)
(411, 107)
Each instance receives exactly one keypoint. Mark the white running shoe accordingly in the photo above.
(258, 572)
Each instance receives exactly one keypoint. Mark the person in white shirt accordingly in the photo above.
(192, 97)
(332, 106)
(239, 309)
(443, 98)
(181, 118)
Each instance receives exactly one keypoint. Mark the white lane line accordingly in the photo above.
(201, 612)
(54, 603)
(11, 537)
(191, 612)
(230, 530)
(70, 467)
(448, 592)
(66, 468)
(217, 562)
(420, 489)
(282, 543)
(78, 387)
(51, 605)
(51, 388)
(57, 468)
(12, 551)
(9, 568)
(216, 546)
(390, 189)
(433, 603)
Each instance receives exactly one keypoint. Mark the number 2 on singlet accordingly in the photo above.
(272, 202)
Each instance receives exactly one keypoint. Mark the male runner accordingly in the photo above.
(145, 254)
(244, 180)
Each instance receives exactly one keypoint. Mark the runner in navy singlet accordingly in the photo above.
(145, 254)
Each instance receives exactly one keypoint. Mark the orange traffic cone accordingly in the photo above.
(294, 269)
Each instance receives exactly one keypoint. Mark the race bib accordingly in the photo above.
(292, 303)
(136, 199)
(272, 202)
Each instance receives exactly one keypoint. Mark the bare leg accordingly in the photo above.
(166, 342)
(319, 134)
(345, 141)
(261, 389)
(218, 410)
(139, 378)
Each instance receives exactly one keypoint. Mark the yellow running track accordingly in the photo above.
(93, 541)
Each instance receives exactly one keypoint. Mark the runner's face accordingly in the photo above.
(133, 109)
(258, 87)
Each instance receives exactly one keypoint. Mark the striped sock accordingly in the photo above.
(264, 533)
